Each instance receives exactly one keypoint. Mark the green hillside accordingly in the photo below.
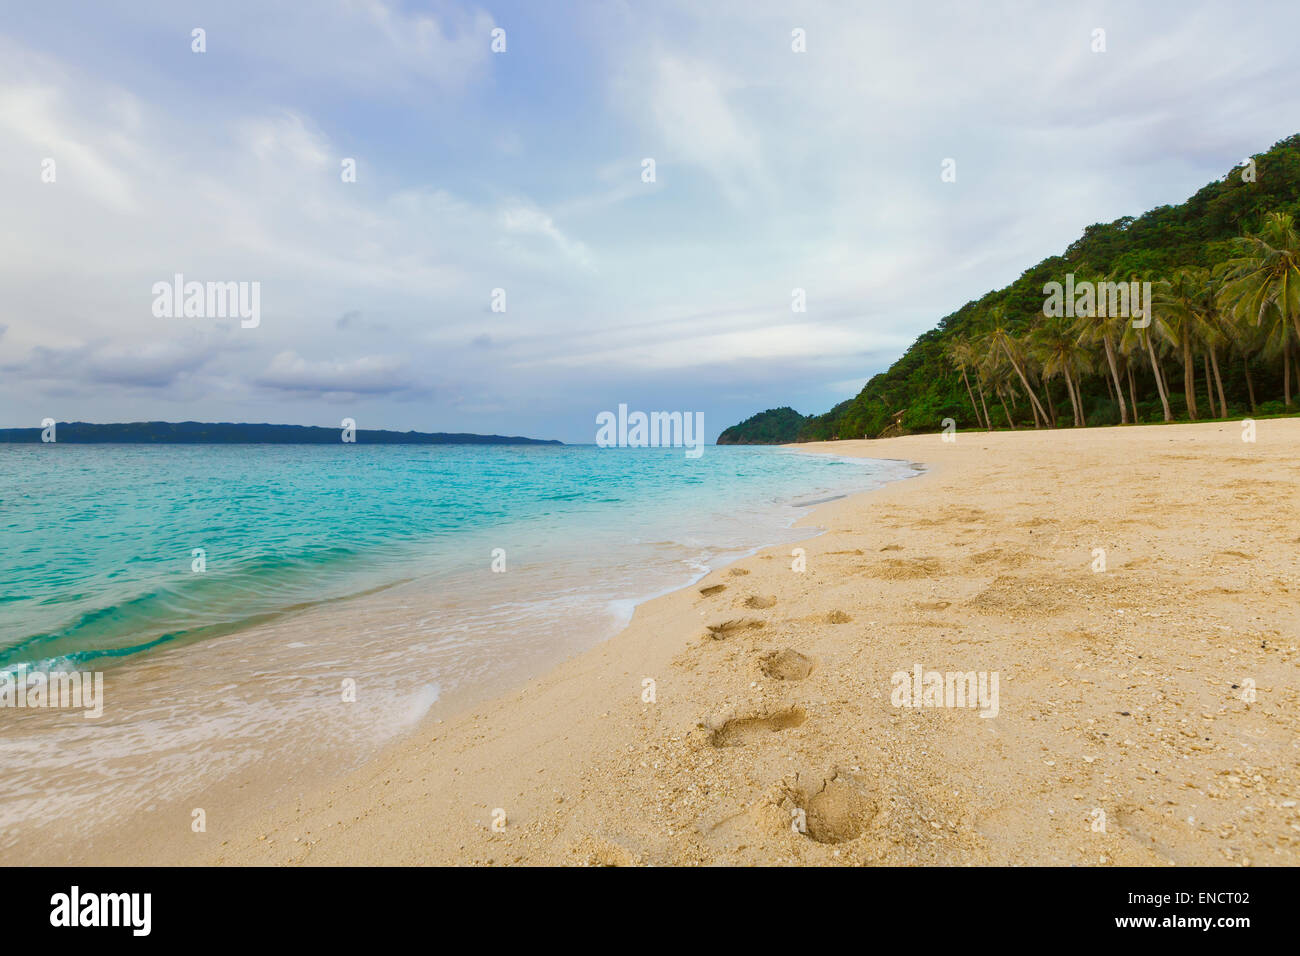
(1225, 340)
(776, 426)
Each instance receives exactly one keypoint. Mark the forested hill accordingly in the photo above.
(776, 426)
(999, 362)
(225, 433)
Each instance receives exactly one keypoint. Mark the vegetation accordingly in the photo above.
(1224, 339)
(776, 426)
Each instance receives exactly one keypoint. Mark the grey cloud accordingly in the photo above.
(366, 375)
(146, 366)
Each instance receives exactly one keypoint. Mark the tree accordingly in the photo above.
(962, 356)
(1261, 285)
(1214, 333)
(1264, 276)
(1177, 306)
(1055, 345)
(1140, 341)
(1001, 340)
(1108, 330)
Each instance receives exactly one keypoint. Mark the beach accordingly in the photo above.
(1136, 592)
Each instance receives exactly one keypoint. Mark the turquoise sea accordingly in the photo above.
(97, 542)
(415, 572)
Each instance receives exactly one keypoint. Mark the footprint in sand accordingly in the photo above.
(713, 589)
(760, 603)
(837, 810)
(933, 605)
(739, 731)
(727, 628)
(739, 572)
(838, 617)
(786, 664)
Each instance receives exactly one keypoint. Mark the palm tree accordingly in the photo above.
(1109, 330)
(979, 385)
(1138, 340)
(999, 377)
(962, 356)
(1265, 274)
(1274, 336)
(1249, 340)
(1055, 345)
(1262, 286)
(1178, 316)
(1214, 333)
(1000, 339)
(1132, 386)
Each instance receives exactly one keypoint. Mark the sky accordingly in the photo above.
(523, 170)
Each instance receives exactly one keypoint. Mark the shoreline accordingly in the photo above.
(241, 796)
(786, 709)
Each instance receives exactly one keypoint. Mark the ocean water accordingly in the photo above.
(326, 564)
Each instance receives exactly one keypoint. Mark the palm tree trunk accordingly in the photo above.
(1164, 378)
(1074, 403)
(1160, 385)
(1051, 405)
(1078, 392)
(1189, 377)
(1010, 423)
(1132, 389)
(1209, 384)
(1286, 371)
(1250, 382)
(1032, 397)
(975, 408)
(984, 405)
(1218, 382)
(1114, 373)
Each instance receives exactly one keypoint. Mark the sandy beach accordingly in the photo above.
(1146, 714)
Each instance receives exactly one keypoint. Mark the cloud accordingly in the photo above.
(367, 375)
(147, 365)
(38, 116)
(523, 219)
(697, 124)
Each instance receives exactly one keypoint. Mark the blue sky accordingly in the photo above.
(775, 170)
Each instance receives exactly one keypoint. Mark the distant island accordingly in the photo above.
(228, 433)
